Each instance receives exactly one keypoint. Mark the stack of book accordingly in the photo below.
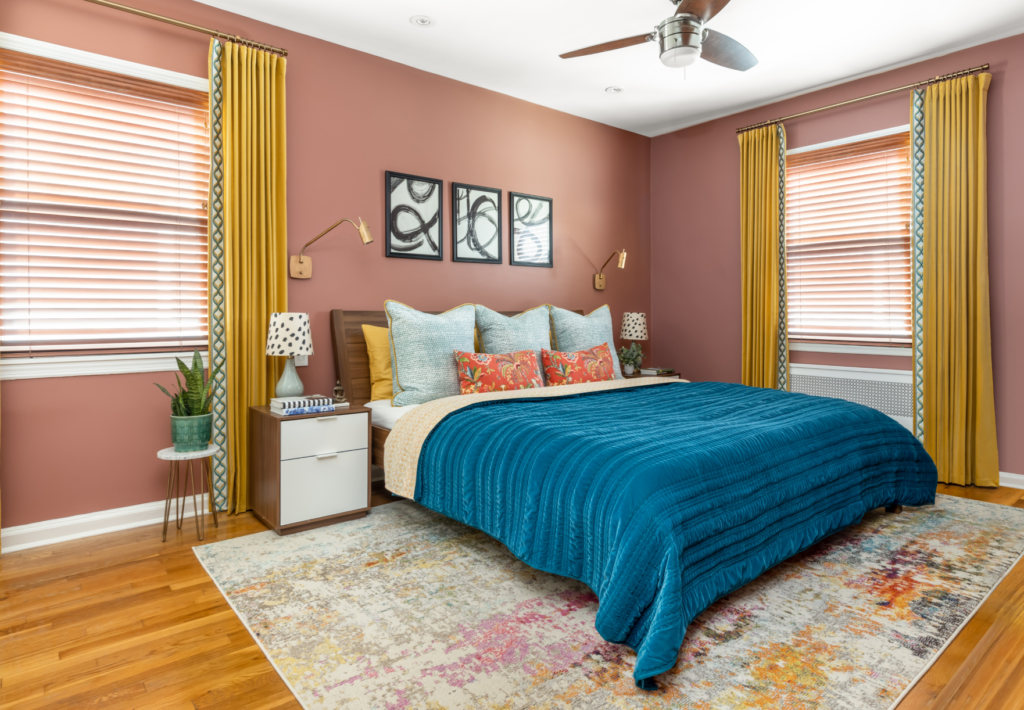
(657, 371)
(313, 404)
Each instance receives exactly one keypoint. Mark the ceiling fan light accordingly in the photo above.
(679, 38)
(679, 57)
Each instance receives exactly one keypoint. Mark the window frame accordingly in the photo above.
(75, 362)
(849, 347)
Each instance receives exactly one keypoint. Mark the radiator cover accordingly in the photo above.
(888, 391)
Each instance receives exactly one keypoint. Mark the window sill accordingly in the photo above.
(852, 349)
(30, 368)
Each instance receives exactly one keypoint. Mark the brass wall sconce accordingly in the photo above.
(599, 276)
(301, 267)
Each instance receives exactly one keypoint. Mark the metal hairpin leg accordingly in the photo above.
(208, 468)
(167, 505)
(200, 517)
(179, 499)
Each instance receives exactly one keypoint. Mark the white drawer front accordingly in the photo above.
(323, 435)
(316, 487)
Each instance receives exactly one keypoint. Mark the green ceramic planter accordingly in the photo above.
(191, 433)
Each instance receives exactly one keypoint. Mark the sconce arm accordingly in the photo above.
(325, 232)
(601, 271)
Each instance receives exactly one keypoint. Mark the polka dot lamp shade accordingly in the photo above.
(288, 335)
(634, 326)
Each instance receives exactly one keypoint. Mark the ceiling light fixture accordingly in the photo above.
(614, 90)
(680, 37)
(422, 21)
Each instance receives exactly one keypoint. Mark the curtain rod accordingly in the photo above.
(189, 26)
(926, 82)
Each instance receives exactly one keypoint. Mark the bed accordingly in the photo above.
(661, 496)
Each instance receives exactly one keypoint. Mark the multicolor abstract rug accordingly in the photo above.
(407, 609)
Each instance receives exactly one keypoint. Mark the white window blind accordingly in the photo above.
(103, 230)
(848, 251)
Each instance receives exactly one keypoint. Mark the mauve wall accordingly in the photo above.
(351, 116)
(695, 224)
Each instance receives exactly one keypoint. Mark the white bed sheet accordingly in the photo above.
(384, 415)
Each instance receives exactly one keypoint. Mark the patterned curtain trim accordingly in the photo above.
(217, 286)
(783, 379)
(917, 177)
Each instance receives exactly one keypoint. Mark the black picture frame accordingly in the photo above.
(400, 198)
(531, 228)
(470, 203)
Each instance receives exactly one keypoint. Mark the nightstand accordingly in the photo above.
(673, 376)
(309, 470)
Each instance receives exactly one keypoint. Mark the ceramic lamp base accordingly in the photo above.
(289, 385)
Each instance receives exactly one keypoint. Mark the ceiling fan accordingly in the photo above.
(684, 39)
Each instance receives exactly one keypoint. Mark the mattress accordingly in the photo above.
(384, 415)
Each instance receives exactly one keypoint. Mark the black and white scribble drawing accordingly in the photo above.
(413, 219)
(531, 230)
(476, 224)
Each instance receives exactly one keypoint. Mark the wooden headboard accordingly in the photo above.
(351, 361)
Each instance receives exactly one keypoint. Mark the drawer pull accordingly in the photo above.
(327, 456)
(324, 419)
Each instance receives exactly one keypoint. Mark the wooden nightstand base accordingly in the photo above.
(310, 524)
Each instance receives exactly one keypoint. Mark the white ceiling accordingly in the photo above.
(512, 46)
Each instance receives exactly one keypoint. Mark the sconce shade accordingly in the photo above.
(634, 326)
(289, 335)
(364, 232)
(622, 259)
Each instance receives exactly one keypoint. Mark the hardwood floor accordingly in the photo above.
(125, 621)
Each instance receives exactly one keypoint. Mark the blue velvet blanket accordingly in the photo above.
(663, 499)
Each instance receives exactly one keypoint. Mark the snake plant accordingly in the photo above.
(193, 399)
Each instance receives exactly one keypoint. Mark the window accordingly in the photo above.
(103, 231)
(848, 213)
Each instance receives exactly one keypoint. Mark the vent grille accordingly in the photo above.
(892, 398)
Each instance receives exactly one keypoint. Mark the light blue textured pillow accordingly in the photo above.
(530, 330)
(422, 351)
(574, 332)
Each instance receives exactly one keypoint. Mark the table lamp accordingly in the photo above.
(634, 326)
(289, 336)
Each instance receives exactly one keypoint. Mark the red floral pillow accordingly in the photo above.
(481, 372)
(594, 365)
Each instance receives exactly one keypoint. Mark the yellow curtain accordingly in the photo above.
(255, 240)
(761, 250)
(959, 409)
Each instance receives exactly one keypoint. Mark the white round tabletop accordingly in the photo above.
(170, 454)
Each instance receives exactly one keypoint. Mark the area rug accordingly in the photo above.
(408, 609)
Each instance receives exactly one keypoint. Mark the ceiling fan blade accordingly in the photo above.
(726, 52)
(607, 46)
(704, 9)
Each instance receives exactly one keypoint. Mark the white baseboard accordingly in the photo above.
(1011, 480)
(48, 532)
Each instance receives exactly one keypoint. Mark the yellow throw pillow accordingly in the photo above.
(379, 350)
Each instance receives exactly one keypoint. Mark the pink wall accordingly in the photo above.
(351, 116)
(695, 223)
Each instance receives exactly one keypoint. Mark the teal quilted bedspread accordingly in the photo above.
(663, 499)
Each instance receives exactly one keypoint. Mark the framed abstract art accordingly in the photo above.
(531, 230)
(414, 217)
(476, 224)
